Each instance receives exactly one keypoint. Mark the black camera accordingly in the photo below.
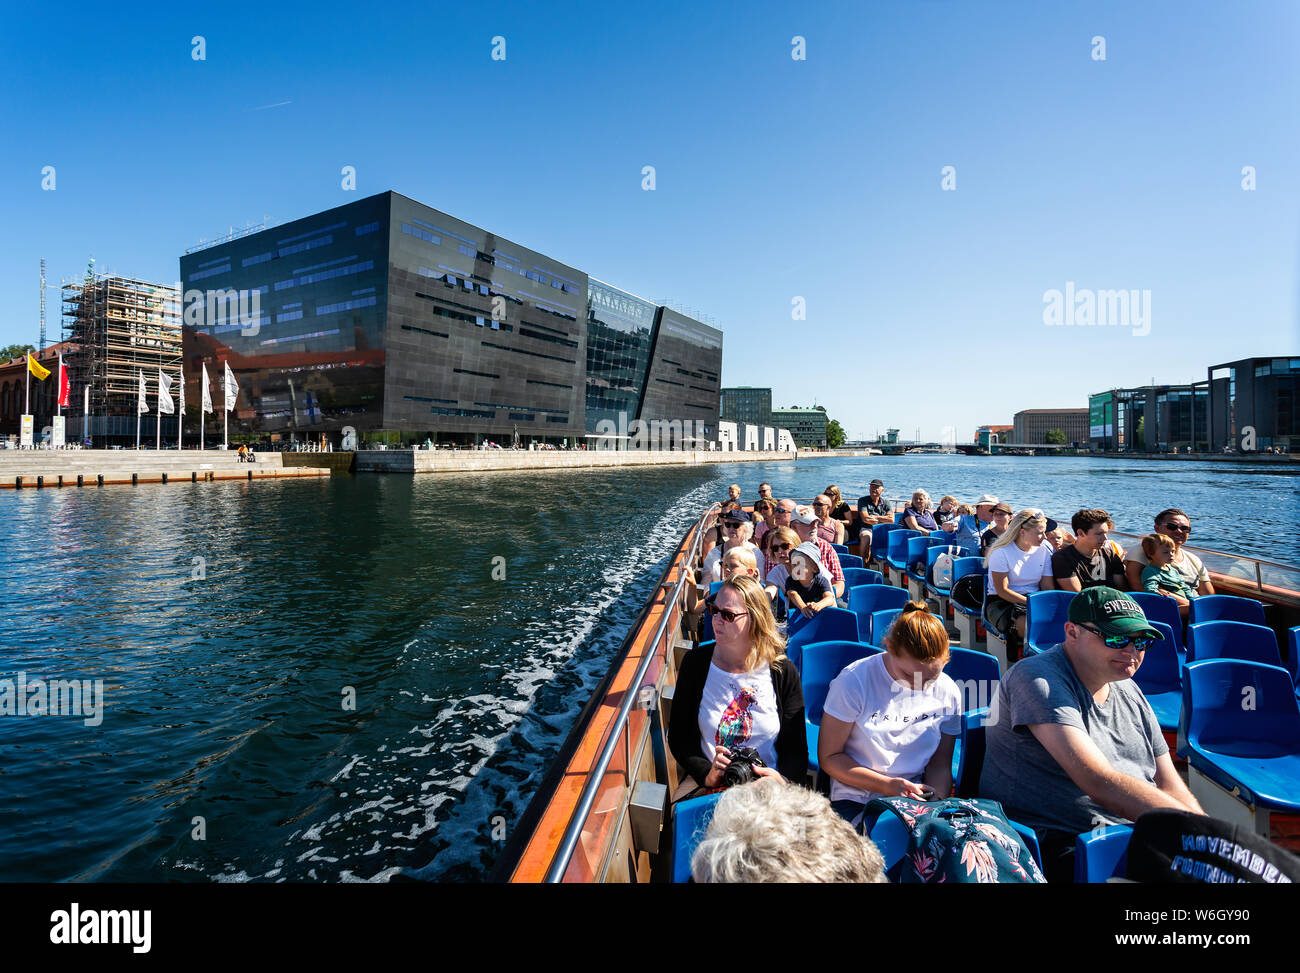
(741, 768)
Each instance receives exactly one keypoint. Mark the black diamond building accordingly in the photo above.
(406, 324)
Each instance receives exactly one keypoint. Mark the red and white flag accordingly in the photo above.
(65, 388)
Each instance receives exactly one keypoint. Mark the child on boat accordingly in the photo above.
(1160, 577)
(891, 720)
(805, 587)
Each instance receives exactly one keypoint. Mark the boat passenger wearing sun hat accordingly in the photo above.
(1071, 743)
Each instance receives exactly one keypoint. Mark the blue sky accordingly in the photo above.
(775, 178)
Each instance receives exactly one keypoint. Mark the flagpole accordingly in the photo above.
(27, 393)
(225, 408)
(59, 390)
(158, 420)
(180, 411)
(137, 416)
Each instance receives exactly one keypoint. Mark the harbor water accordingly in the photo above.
(338, 679)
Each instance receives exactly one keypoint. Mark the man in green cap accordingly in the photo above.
(1071, 743)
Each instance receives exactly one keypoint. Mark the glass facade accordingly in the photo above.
(620, 339)
(685, 372)
(747, 404)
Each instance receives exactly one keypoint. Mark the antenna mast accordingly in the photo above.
(41, 346)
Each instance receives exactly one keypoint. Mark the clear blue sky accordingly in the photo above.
(776, 178)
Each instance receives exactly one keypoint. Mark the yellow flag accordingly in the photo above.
(37, 369)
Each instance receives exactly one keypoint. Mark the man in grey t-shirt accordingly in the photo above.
(1072, 743)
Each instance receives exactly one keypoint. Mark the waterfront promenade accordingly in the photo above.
(465, 460)
(38, 468)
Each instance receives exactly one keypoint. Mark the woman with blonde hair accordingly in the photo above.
(840, 510)
(1019, 564)
(740, 691)
(891, 720)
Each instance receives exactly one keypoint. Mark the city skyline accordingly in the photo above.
(1164, 170)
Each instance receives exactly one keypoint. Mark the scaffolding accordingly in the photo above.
(121, 327)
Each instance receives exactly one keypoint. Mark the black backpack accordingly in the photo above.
(968, 591)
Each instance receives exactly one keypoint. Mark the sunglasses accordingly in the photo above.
(781, 547)
(821, 504)
(727, 616)
(1183, 528)
(1140, 642)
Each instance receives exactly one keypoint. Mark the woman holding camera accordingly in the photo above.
(737, 695)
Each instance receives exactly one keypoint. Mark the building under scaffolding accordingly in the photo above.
(122, 327)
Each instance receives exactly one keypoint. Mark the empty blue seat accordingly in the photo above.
(690, 820)
(898, 517)
(880, 541)
(880, 624)
(1252, 752)
(856, 576)
(1225, 608)
(939, 538)
(976, 674)
(1045, 619)
(1100, 854)
(1232, 640)
(839, 549)
(822, 662)
(1160, 678)
(1158, 608)
(850, 561)
(828, 625)
(867, 598)
(896, 558)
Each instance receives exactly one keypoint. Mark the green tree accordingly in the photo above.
(834, 434)
(1055, 437)
(14, 351)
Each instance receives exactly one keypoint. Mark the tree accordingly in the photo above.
(15, 351)
(1055, 437)
(834, 434)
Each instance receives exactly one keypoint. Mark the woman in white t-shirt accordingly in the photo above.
(891, 720)
(1019, 564)
(737, 530)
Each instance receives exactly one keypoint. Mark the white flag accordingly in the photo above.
(231, 389)
(207, 394)
(144, 395)
(165, 404)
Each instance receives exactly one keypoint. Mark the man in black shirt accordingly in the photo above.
(1090, 560)
(872, 509)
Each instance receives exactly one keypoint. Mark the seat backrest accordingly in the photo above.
(1158, 608)
(916, 548)
(1159, 671)
(867, 598)
(932, 555)
(1215, 717)
(828, 625)
(839, 549)
(976, 674)
(690, 822)
(822, 662)
(714, 586)
(879, 625)
(939, 538)
(850, 561)
(1046, 616)
(1232, 640)
(963, 566)
(1226, 608)
(971, 763)
(1293, 649)
(898, 517)
(880, 539)
(856, 576)
(898, 539)
(1099, 854)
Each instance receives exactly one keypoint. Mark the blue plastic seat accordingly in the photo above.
(880, 541)
(898, 517)
(1253, 752)
(965, 619)
(1158, 608)
(1160, 678)
(896, 558)
(839, 549)
(1045, 619)
(822, 662)
(939, 538)
(1225, 608)
(916, 548)
(850, 561)
(1100, 854)
(1232, 640)
(690, 820)
(867, 598)
(1293, 649)
(856, 576)
(968, 757)
(828, 625)
(714, 586)
(880, 624)
(976, 674)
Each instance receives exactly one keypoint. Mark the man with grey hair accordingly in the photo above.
(771, 831)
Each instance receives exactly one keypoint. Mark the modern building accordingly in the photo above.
(747, 403)
(401, 323)
(1254, 404)
(121, 329)
(988, 435)
(1031, 426)
(807, 426)
(1151, 418)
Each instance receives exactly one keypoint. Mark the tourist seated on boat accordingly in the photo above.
(804, 523)
(1019, 563)
(771, 832)
(805, 590)
(873, 509)
(1001, 514)
(947, 511)
(1058, 537)
(1160, 577)
(1177, 526)
(891, 720)
(765, 492)
(785, 509)
(782, 541)
(740, 692)
(972, 521)
(840, 511)
(737, 528)
(1090, 560)
(1071, 743)
(715, 534)
(737, 562)
(764, 514)
(917, 516)
(733, 493)
(828, 529)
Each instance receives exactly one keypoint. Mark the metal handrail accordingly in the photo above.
(573, 830)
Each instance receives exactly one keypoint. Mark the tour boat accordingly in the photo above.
(602, 812)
